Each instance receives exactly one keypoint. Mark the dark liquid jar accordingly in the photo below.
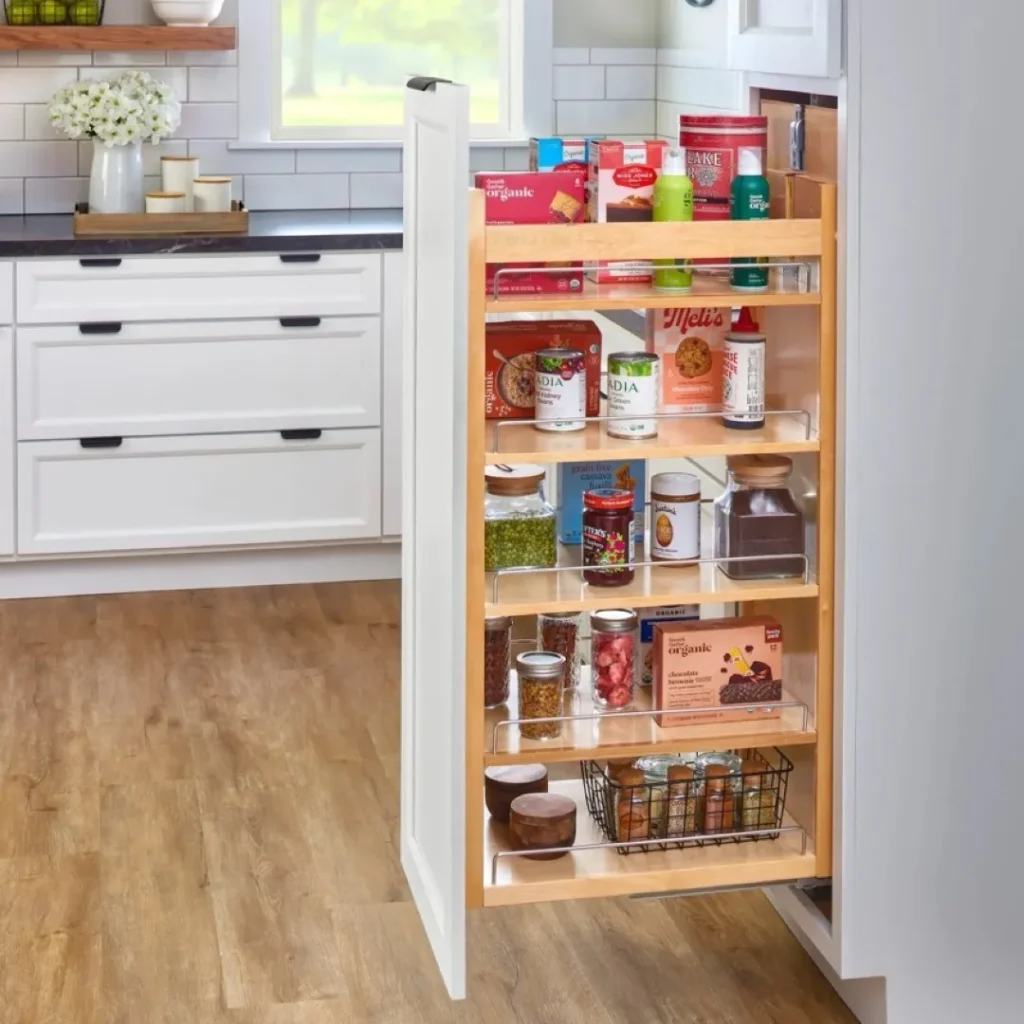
(757, 516)
(608, 537)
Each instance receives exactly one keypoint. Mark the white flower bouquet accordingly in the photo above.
(134, 107)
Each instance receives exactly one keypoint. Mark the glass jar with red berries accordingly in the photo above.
(608, 537)
(614, 639)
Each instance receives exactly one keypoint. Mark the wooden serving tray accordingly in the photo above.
(111, 225)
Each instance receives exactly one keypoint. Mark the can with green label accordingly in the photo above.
(633, 389)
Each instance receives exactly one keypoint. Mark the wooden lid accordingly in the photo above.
(756, 769)
(631, 777)
(206, 180)
(542, 808)
(514, 776)
(522, 479)
(179, 158)
(165, 195)
(715, 774)
(680, 773)
(760, 467)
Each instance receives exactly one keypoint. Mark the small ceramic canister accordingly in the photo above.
(212, 195)
(165, 202)
(177, 174)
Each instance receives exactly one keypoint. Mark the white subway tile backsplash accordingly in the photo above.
(624, 55)
(53, 59)
(579, 82)
(123, 59)
(709, 87)
(339, 161)
(201, 58)
(570, 55)
(209, 121)
(12, 121)
(296, 191)
(605, 117)
(37, 122)
(176, 78)
(213, 85)
(517, 158)
(12, 195)
(55, 195)
(38, 159)
(631, 82)
(375, 191)
(215, 158)
(33, 85)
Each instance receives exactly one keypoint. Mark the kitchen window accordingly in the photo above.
(332, 71)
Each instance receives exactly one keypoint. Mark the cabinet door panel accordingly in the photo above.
(786, 37)
(392, 408)
(7, 489)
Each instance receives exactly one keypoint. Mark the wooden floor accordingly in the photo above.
(198, 825)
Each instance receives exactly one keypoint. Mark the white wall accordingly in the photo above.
(606, 23)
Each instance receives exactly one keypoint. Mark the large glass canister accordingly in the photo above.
(519, 525)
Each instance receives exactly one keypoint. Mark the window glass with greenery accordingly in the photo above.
(342, 63)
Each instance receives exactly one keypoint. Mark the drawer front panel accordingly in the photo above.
(213, 377)
(190, 492)
(195, 288)
(6, 293)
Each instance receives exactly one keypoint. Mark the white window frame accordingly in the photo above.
(530, 26)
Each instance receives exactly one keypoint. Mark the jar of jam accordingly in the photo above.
(756, 515)
(608, 537)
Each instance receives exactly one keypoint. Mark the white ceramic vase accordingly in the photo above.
(116, 184)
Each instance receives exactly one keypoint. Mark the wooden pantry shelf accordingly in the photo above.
(707, 291)
(124, 38)
(677, 438)
(611, 735)
(605, 872)
(528, 593)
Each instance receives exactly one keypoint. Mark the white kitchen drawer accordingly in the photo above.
(6, 293)
(190, 492)
(196, 288)
(7, 489)
(209, 377)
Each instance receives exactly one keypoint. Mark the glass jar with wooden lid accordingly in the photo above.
(519, 525)
(632, 807)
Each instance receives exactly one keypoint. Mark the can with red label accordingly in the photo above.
(712, 156)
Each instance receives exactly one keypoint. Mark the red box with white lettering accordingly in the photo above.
(533, 197)
(622, 177)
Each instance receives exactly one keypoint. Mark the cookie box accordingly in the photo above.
(576, 477)
(534, 197)
(718, 664)
(509, 363)
(690, 344)
(557, 154)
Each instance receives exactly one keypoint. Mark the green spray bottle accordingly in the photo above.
(750, 200)
(673, 202)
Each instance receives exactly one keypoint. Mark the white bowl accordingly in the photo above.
(181, 13)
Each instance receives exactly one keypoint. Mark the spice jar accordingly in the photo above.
(541, 677)
(632, 807)
(675, 517)
(497, 659)
(684, 797)
(614, 639)
(756, 515)
(719, 806)
(655, 783)
(758, 798)
(519, 525)
(559, 632)
(608, 536)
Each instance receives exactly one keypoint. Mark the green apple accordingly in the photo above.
(52, 12)
(21, 12)
(85, 12)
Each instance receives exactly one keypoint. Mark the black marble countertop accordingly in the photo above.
(291, 231)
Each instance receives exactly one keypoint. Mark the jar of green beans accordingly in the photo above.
(519, 525)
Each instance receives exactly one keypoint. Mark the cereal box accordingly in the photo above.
(509, 359)
(717, 663)
(557, 154)
(690, 343)
(622, 177)
(533, 197)
(576, 477)
(649, 618)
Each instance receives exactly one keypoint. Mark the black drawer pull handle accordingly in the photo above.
(101, 442)
(311, 434)
(300, 257)
(105, 261)
(104, 328)
(299, 321)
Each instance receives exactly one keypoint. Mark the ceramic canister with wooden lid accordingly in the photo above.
(178, 174)
(503, 783)
(542, 821)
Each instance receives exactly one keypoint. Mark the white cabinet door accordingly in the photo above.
(151, 493)
(433, 826)
(391, 412)
(786, 37)
(7, 488)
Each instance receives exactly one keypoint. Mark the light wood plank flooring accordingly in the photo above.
(198, 825)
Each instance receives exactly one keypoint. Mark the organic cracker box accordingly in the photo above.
(690, 344)
(576, 477)
(717, 664)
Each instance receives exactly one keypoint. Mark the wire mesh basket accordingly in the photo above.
(743, 807)
(54, 12)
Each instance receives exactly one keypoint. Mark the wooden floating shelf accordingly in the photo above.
(615, 736)
(529, 593)
(115, 37)
(707, 291)
(677, 438)
(603, 873)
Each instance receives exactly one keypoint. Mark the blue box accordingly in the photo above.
(576, 477)
(550, 154)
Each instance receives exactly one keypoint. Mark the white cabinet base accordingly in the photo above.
(207, 570)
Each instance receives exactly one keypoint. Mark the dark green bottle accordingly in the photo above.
(750, 200)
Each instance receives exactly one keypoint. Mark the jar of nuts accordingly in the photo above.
(497, 659)
(541, 679)
(559, 632)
